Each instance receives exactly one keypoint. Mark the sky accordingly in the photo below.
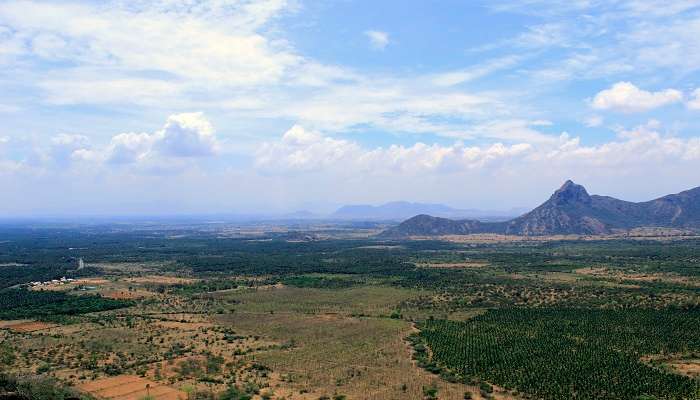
(270, 106)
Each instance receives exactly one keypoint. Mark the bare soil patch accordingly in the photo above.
(25, 326)
(161, 280)
(686, 367)
(130, 387)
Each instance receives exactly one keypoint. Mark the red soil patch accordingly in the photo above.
(686, 367)
(26, 326)
(129, 387)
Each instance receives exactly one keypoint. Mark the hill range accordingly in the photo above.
(401, 210)
(570, 210)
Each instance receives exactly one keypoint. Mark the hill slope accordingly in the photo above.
(570, 210)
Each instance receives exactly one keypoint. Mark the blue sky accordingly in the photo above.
(181, 106)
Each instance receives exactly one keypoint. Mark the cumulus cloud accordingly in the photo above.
(301, 151)
(186, 135)
(378, 40)
(305, 162)
(626, 97)
(127, 148)
(66, 147)
(184, 138)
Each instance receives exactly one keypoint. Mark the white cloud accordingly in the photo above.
(626, 97)
(302, 151)
(196, 44)
(225, 55)
(63, 147)
(694, 102)
(127, 148)
(466, 75)
(396, 106)
(378, 40)
(304, 162)
(184, 138)
(120, 50)
(186, 135)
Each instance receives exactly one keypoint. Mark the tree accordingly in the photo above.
(235, 393)
(7, 356)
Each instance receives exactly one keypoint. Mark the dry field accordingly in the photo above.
(366, 300)
(689, 367)
(128, 387)
(25, 326)
(617, 275)
(362, 358)
(327, 349)
(291, 343)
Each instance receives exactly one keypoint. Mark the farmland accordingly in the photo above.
(597, 352)
(189, 312)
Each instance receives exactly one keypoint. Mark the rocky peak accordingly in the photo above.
(570, 193)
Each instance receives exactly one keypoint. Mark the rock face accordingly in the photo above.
(571, 210)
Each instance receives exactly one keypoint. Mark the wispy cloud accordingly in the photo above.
(378, 40)
(479, 71)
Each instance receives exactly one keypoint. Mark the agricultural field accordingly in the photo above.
(200, 313)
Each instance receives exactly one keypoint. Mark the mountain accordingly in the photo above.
(570, 210)
(400, 210)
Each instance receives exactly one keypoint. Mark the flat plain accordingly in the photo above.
(196, 315)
